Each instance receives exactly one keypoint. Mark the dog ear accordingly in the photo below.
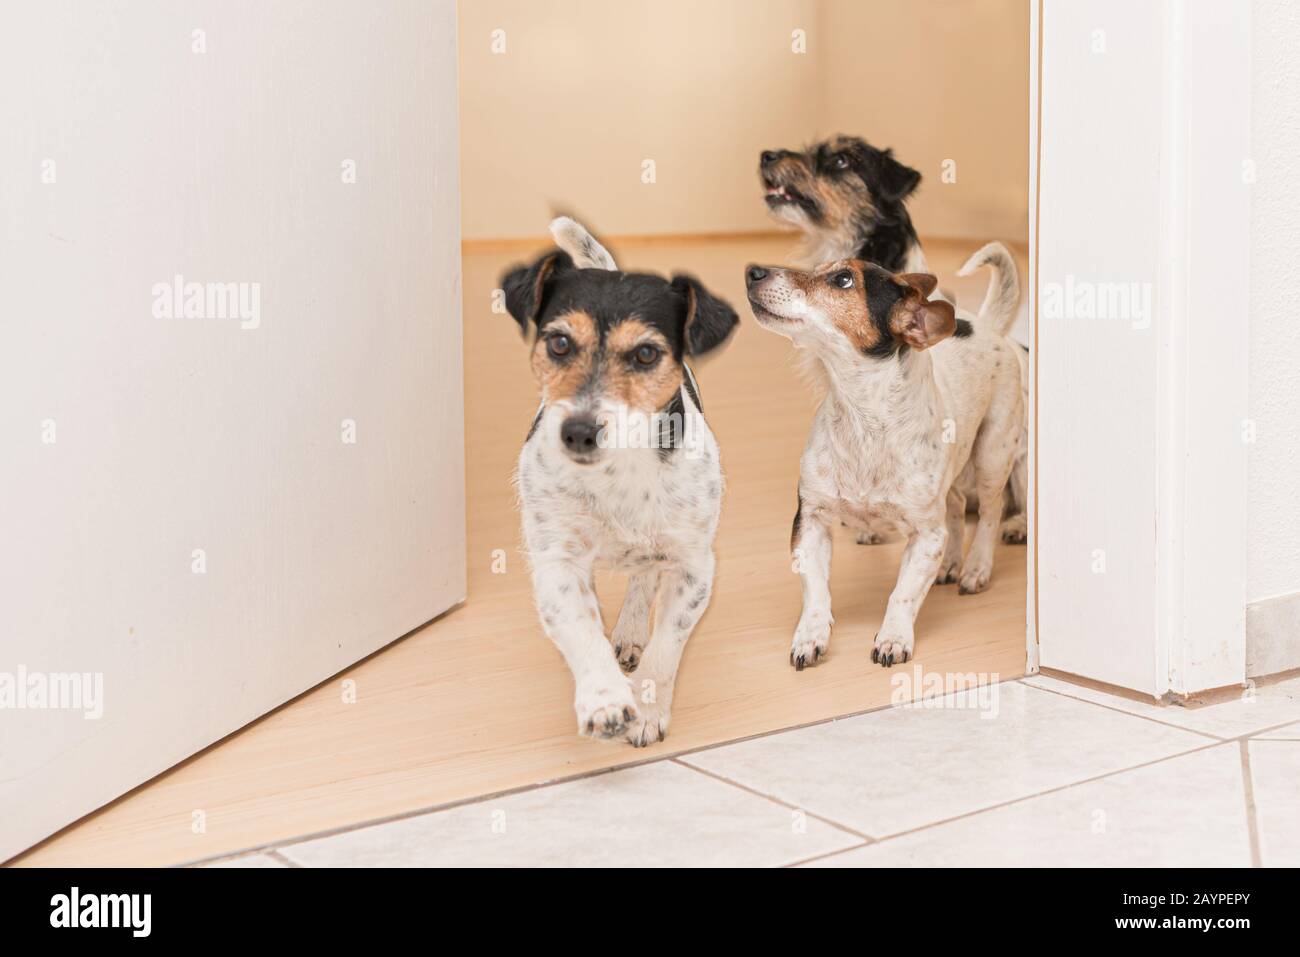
(895, 181)
(922, 282)
(525, 286)
(709, 320)
(923, 323)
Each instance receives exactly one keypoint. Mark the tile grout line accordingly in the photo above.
(275, 855)
(867, 838)
(1055, 790)
(822, 857)
(1252, 820)
(1143, 717)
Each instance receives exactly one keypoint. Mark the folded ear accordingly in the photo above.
(895, 181)
(922, 282)
(922, 323)
(525, 286)
(709, 320)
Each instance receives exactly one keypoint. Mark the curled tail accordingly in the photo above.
(586, 252)
(1003, 297)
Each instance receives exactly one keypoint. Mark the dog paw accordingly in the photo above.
(891, 650)
(871, 538)
(649, 727)
(629, 656)
(811, 639)
(605, 711)
(1015, 530)
(948, 573)
(974, 580)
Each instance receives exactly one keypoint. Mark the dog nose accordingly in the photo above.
(768, 157)
(754, 274)
(579, 434)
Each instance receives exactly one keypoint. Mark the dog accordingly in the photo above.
(917, 399)
(619, 469)
(850, 201)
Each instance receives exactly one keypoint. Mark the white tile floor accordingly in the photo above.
(1042, 772)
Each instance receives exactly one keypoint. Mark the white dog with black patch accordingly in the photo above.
(619, 470)
(919, 405)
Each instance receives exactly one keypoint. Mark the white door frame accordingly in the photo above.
(1139, 120)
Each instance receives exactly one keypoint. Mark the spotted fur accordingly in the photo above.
(909, 411)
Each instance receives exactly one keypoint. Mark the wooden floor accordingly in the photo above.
(480, 702)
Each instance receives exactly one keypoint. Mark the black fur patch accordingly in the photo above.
(797, 526)
(964, 329)
(887, 232)
(882, 295)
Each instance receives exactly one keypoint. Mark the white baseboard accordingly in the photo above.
(1273, 635)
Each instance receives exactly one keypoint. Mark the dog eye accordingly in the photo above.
(840, 161)
(843, 279)
(646, 355)
(559, 346)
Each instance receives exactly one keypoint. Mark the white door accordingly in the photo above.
(230, 406)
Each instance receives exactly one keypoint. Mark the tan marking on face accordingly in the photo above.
(563, 380)
(642, 389)
(846, 309)
(842, 198)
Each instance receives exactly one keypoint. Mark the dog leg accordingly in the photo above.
(632, 630)
(681, 602)
(990, 483)
(950, 565)
(1015, 528)
(897, 637)
(811, 547)
(570, 615)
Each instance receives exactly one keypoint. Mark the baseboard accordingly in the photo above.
(1273, 635)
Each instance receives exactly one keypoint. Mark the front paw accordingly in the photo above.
(871, 537)
(974, 580)
(811, 640)
(649, 727)
(605, 711)
(628, 655)
(892, 649)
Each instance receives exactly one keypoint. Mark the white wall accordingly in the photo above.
(1274, 295)
(179, 434)
(585, 90)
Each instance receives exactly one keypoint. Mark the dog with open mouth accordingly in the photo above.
(618, 470)
(920, 405)
(850, 201)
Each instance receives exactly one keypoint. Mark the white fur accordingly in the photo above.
(581, 246)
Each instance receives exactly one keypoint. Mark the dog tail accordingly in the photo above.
(573, 238)
(1003, 297)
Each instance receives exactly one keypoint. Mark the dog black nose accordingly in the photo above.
(768, 157)
(579, 434)
(754, 274)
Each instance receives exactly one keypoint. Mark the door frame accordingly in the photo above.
(1196, 59)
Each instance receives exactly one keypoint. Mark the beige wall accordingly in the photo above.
(586, 90)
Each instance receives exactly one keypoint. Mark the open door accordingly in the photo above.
(232, 393)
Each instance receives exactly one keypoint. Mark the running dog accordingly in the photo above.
(618, 470)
